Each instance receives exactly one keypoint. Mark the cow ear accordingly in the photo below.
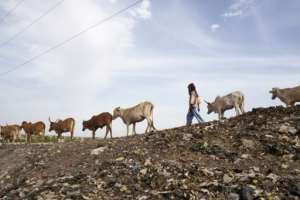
(206, 102)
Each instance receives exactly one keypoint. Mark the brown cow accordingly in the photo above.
(99, 121)
(9, 133)
(30, 129)
(289, 96)
(62, 126)
(17, 129)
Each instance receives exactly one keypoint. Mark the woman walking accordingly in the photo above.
(194, 105)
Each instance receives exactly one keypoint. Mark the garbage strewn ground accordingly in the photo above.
(253, 156)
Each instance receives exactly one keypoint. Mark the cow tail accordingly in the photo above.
(44, 130)
(73, 127)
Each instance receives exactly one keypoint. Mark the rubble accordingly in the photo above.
(253, 156)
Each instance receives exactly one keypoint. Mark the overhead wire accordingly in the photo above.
(100, 22)
(11, 10)
(31, 24)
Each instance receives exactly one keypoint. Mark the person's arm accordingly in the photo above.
(198, 103)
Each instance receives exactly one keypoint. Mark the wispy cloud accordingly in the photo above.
(124, 61)
(143, 11)
(70, 78)
(214, 27)
(239, 8)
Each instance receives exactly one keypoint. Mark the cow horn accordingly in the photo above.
(50, 120)
(206, 102)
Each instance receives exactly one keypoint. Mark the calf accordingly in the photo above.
(99, 121)
(136, 114)
(289, 96)
(62, 126)
(30, 129)
(221, 104)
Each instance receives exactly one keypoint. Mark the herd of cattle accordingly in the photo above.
(138, 113)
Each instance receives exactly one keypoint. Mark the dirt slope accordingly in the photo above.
(253, 156)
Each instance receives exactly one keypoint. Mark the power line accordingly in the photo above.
(71, 38)
(11, 10)
(32, 23)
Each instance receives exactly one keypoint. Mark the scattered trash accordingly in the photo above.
(252, 156)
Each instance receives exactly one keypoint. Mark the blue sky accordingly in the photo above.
(151, 52)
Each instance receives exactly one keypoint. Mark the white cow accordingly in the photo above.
(136, 114)
(230, 101)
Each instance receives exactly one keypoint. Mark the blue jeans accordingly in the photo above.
(191, 114)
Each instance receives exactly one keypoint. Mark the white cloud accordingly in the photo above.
(143, 10)
(70, 80)
(214, 27)
(239, 8)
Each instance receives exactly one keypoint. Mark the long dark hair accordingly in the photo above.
(191, 88)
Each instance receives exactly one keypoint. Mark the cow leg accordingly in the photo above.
(152, 125)
(106, 131)
(148, 126)
(72, 133)
(110, 130)
(133, 129)
(237, 111)
(94, 134)
(242, 108)
(127, 126)
(43, 135)
(220, 115)
(27, 138)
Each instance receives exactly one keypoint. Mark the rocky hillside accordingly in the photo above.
(254, 156)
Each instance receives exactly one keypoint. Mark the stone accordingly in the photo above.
(245, 156)
(294, 187)
(249, 144)
(148, 162)
(120, 158)
(292, 130)
(273, 177)
(187, 136)
(287, 129)
(233, 196)
(144, 171)
(97, 151)
(124, 188)
(246, 193)
(227, 178)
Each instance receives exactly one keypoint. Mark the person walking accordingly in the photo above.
(194, 105)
